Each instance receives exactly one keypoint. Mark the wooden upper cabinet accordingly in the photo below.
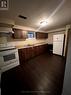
(19, 34)
(40, 35)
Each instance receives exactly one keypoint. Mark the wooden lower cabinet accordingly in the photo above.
(21, 55)
(36, 51)
(30, 52)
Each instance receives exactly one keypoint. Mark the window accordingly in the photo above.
(31, 34)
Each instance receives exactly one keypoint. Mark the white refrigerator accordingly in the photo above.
(58, 41)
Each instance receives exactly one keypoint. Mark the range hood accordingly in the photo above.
(6, 25)
(5, 34)
(6, 30)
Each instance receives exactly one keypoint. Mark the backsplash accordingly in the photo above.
(4, 37)
(3, 40)
(27, 42)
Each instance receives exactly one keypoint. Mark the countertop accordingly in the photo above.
(27, 46)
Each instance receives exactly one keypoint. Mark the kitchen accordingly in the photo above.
(33, 51)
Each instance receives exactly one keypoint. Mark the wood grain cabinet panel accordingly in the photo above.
(30, 52)
(37, 50)
(21, 56)
(19, 34)
(41, 35)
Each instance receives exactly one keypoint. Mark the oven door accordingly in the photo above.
(8, 58)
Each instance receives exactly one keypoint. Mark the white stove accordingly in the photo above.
(8, 57)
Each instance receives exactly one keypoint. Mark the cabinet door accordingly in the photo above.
(36, 52)
(29, 52)
(19, 34)
(21, 56)
(26, 53)
(41, 35)
(33, 51)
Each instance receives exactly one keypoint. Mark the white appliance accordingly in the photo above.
(58, 41)
(8, 58)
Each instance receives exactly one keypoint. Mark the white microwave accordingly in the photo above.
(8, 59)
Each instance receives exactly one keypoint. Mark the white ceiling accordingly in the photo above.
(56, 12)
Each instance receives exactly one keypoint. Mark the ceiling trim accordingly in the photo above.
(24, 28)
(57, 30)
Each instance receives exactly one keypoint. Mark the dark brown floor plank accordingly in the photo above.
(43, 74)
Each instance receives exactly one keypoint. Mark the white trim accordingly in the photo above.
(24, 28)
(27, 28)
(57, 30)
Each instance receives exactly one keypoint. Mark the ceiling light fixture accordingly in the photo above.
(43, 23)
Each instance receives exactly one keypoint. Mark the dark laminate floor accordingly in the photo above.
(42, 75)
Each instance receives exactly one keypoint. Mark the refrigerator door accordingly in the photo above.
(58, 38)
(58, 41)
(58, 48)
